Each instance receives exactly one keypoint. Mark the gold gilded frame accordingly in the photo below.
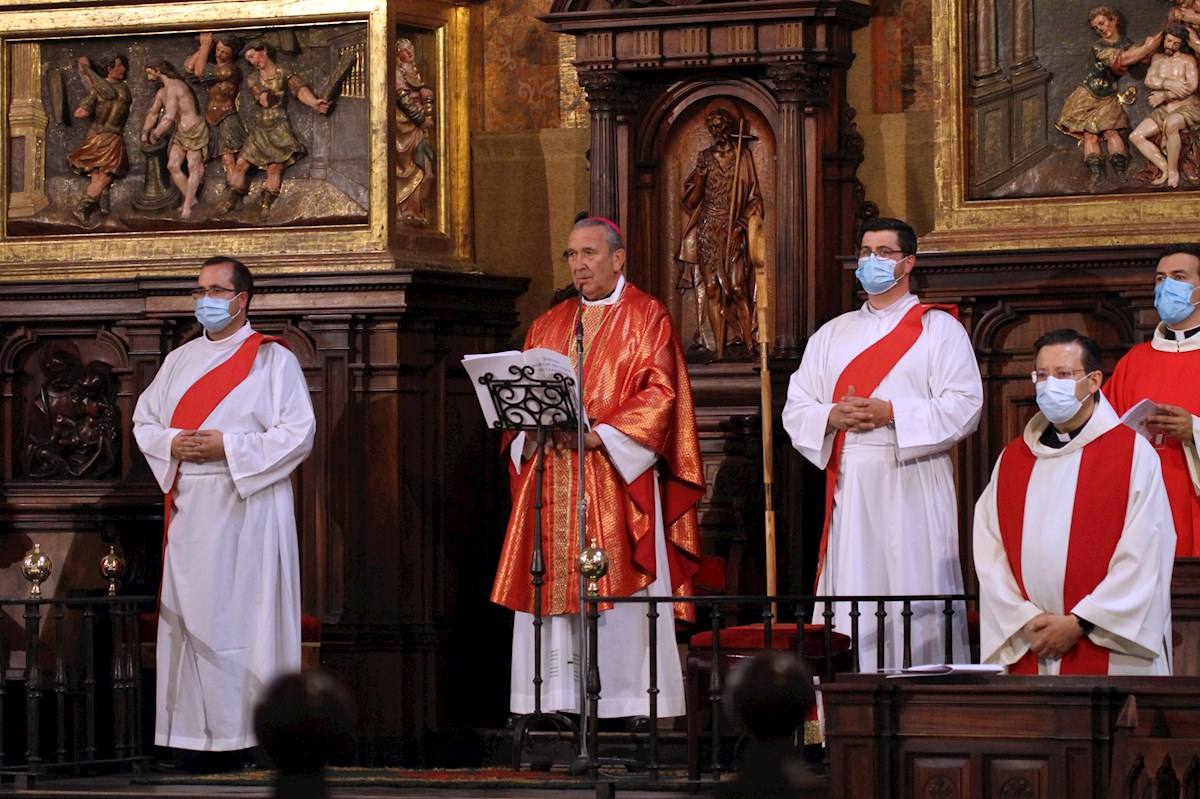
(1044, 222)
(283, 249)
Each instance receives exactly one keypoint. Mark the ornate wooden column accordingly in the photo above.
(605, 93)
(791, 84)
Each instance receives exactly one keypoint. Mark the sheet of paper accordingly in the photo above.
(495, 363)
(940, 669)
(1136, 417)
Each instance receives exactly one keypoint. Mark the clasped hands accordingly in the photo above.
(198, 446)
(860, 414)
(1051, 636)
(563, 441)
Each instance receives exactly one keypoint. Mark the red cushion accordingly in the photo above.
(783, 636)
(310, 627)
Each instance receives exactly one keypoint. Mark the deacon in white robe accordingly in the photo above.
(1128, 613)
(894, 526)
(229, 611)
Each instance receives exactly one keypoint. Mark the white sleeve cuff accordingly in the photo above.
(1192, 456)
(521, 449)
(630, 457)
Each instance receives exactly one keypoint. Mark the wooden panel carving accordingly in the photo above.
(940, 777)
(1016, 778)
(72, 424)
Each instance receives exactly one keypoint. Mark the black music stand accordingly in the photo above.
(525, 403)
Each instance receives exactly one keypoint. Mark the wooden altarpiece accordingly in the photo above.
(399, 508)
(651, 69)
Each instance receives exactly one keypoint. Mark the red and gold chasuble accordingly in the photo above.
(1172, 378)
(635, 380)
(203, 397)
(1097, 520)
(865, 373)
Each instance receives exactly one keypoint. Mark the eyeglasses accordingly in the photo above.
(214, 291)
(887, 253)
(1061, 374)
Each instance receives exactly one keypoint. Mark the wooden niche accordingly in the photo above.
(654, 72)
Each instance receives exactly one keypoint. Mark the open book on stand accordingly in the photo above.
(539, 381)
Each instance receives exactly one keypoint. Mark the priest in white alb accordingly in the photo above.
(881, 396)
(1074, 540)
(223, 425)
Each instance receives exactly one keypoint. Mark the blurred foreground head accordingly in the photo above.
(771, 694)
(304, 721)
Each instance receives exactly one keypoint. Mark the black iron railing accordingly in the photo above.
(833, 656)
(87, 686)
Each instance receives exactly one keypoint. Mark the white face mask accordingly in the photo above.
(1056, 398)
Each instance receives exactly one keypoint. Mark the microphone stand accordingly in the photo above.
(583, 762)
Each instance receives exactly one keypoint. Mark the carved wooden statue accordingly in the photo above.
(723, 241)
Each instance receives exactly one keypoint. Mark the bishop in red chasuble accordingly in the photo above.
(642, 481)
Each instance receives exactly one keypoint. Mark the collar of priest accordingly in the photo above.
(1180, 335)
(1054, 438)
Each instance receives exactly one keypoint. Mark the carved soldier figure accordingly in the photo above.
(1093, 111)
(174, 111)
(272, 145)
(224, 79)
(723, 239)
(1172, 80)
(414, 119)
(102, 155)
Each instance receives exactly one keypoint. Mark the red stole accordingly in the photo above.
(203, 397)
(865, 373)
(1097, 520)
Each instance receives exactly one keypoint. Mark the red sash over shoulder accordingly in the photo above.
(1097, 520)
(865, 373)
(203, 397)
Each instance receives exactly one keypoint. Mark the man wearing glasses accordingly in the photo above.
(224, 424)
(1166, 371)
(881, 396)
(1074, 541)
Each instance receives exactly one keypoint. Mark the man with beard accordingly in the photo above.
(1172, 80)
(723, 240)
(174, 111)
(102, 155)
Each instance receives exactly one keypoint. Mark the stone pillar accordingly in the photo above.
(1022, 35)
(606, 99)
(986, 63)
(27, 128)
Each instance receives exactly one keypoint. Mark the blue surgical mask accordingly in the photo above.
(213, 313)
(1173, 300)
(1056, 399)
(876, 274)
